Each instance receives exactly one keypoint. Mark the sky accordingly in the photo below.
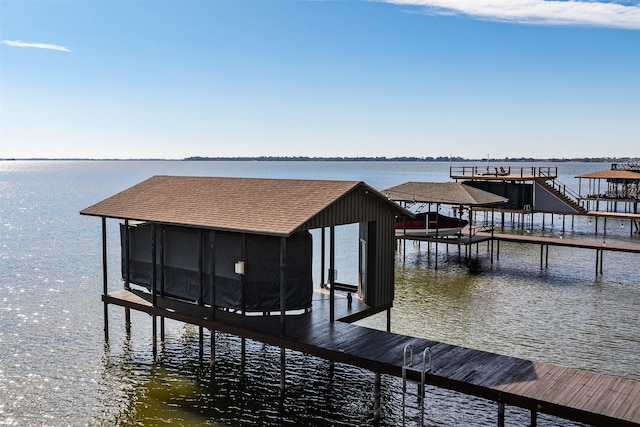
(420, 78)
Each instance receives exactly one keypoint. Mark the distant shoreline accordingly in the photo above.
(349, 159)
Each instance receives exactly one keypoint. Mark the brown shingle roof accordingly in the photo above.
(264, 206)
(611, 174)
(451, 193)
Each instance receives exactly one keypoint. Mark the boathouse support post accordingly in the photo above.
(154, 270)
(127, 268)
(201, 281)
(105, 286)
(243, 280)
(162, 278)
(154, 289)
(332, 266)
(534, 418)
(322, 257)
(212, 276)
(283, 282)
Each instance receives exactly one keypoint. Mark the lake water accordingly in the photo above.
(56, 370)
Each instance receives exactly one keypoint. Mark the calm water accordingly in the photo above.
(56, 370)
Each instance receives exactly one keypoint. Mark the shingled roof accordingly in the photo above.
(253, 205)
(612, 174)
(451, 193)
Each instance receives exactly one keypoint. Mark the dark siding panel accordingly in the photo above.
(361, 207)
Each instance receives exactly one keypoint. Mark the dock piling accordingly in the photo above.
(212, 360)
(376, 399)
(282, 368)
(127, 320)
(154, 332)
(500, 414)
(243, 352)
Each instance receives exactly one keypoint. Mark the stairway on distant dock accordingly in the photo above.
(564, 195)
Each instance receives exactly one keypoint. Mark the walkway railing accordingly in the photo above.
(568, 192)
(523, 172)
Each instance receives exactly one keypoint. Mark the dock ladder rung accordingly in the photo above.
(407, 365)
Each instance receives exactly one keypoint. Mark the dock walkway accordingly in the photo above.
(568, 393)
(573, 243)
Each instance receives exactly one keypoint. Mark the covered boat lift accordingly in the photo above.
(460, 196)
(243, 244)
(612, 187)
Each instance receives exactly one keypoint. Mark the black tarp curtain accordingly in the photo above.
(184, 260)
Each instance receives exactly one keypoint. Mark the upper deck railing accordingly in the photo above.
(478, 172)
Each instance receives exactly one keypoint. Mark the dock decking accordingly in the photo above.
(568, 393)
(573, 243)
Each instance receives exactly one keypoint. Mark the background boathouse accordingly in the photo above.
(243, 244)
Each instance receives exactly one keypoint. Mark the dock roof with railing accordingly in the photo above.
(500, 173)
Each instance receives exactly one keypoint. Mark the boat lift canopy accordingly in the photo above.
(448, 193)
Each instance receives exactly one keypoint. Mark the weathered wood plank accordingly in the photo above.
(604, 400)
(630, 410)
(560, 384)
(625, 394)
(592, 388)
(573, 389)
(536, 389)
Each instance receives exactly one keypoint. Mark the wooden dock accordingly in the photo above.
(599, 246)
(477, 237)
(568, 393)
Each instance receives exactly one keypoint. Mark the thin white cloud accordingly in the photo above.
(552, 12)
(18, 43)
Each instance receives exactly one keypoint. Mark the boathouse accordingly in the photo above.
(243, 244)
(212, 251)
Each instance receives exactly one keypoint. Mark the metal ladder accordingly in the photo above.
(407, 365)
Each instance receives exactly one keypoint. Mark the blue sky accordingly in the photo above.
(173, 79)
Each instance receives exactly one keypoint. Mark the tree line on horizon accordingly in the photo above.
(415, 159)
(631, 160)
